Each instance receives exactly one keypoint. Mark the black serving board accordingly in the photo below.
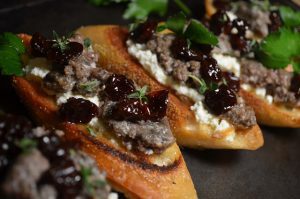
(270, 172)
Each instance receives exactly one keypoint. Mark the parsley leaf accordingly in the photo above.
(11, 48)
(280, 49)
(140, 9)
(11, 40)
(193, 30)
(290, 17)
(139, 94)
(198, 33)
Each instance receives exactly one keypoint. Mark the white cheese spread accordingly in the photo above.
(39, 67)
(228, 63)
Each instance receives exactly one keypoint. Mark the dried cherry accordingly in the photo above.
(210, 71)
(78, 110)
(181, 50)
(232, 81)
(144, 32)
(221, 100)
(117, 87)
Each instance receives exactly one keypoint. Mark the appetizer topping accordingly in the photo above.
(146, 136)
(220, 100)
(48, 168)
(117, 87)
(220, 22)
(85, 92)
(144, 32)
(190, 65)
(295, 85)
(59, 50)
(276, 82)
(153, 108)
(78, 110)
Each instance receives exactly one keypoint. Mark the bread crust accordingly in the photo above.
(266, 114)
(110, 42)
(132, 173)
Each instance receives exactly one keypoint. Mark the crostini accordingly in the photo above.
(249, 34)
(122, 126)
(193, 124)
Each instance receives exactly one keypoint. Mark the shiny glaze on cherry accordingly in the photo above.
(153, 109)
(78, 110)
(276, 21)
(181, 50)
(210, 70)
(232, 81)
(221, 100)
(117, 87)
(143, 32)
(43, 47)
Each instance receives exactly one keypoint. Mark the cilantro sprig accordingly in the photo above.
(279, 49)
(191, 29)
(11, 49)
(203, 87)
(290, 17)
(139, 94)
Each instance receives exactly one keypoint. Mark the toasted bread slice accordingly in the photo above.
(135, 174)
(267, 114)
(110, 42)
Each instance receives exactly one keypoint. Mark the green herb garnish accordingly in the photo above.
(91, 185)
(91, 131)
(139, 94)
(192, 29)
(89, 86)
(183, 7)
(141, 9)
(203, 86)
(11, 49)
(61, 42)
(279, 49)
(290, 17)
(26, 144)
(87, 42)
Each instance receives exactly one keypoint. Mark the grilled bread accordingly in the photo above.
(133, 173)
(110, 43)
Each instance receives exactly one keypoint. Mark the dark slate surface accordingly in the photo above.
(270, 172)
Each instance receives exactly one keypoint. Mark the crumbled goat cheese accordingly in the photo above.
(113, 196)
(39, 67)
(63, 97)
(149, 61)
(228, 63)
(261, 92)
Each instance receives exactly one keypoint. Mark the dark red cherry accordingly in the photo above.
(65, 178)
(232, 81)
(117, 87)
(144, 32)
(78, 110)
(240, 43)
(221, 100)
(158, 103)
(210, 71)
(181, 50)
(220, 22)
(295, 85)
(39, 45)
(131, 110)
(276, 21)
